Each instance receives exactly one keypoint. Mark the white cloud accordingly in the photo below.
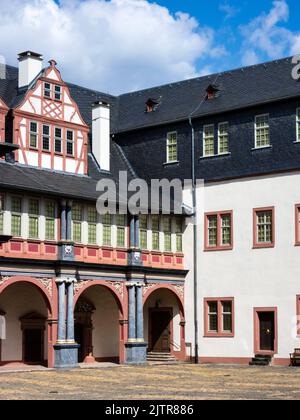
(116, 45)
(230, 11)
(266, 36)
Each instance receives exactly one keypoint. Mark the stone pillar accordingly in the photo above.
(61, 335)
(136, 348)
(132, 232)
(69, 221)
(137, 232)
(65, 349)
(63, 224)
(139, 314)
(70, 314)
(131, 313)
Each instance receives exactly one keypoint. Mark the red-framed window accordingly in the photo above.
(264, 227)
(297, 224)
(219, 317)
(218, 231)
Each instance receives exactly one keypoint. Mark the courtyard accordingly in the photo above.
(173, 382)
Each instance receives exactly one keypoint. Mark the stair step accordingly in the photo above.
(161, 357)
(261, 360)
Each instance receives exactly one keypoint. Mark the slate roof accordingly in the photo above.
(239, 88)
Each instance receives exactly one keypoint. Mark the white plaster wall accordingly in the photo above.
(16, 301)
(105, 322)
(254, 277)
(167, 300)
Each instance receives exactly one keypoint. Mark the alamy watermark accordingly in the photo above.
(296, 68)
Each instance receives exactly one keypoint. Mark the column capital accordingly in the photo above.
(67, 280)
(135, 284)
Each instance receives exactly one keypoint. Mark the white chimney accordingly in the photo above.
(101, 134)
(30, 65)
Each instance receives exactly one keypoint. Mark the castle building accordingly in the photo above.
(77, 286)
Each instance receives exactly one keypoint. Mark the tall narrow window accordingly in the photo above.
(47, 90)
(226, 316)
(143, 232)
(46, 137)
(34, 212)
(219, 317)
(155, 233)
(223, 140)
(77, 222)
(218, 231)
(208, 140)
(1, 214)
(50, 220)
(57, 93)
(107, 222)
(212, 230)
(121, 230)
(70, 143)
(213, 317)
(92, 225)
(171, 147)
(262, 131)
(16, 216)
(298, 123)
(58, 140)
(167, 234)
(33, 135)
(264, 228)
(179, 235)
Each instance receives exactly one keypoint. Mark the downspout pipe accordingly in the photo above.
(194, 198)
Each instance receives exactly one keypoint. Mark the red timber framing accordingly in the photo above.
(3, 113)
(48, 111)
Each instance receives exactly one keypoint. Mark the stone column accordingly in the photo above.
(132, 232)
(61, 335)
(70, 314)
(139, 314)
(137, 232)
(69, 220)
(63, 225)
(131, 313)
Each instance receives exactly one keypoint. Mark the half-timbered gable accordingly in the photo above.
(48, 126)
(3, 113)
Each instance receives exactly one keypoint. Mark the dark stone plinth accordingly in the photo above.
(135, 258)
(66, 356)
(66, 251)
(136, 353)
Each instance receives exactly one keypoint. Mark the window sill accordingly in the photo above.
(254, 149)
(296, 142)
(217, 335)
(263, 246)
(175, 162)
(219, 155)
(219, 248)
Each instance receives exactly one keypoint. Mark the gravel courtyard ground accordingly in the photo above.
(154, 382)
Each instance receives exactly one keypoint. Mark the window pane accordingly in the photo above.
(223, 138)
(172, 147)
(227, 316)
(298, 124)
(16, 225)
(121, 236)
(107, 235)
(264, 227)
(33, 227)
(226, 229)
(50, 220)
(92, 233)
(213, 316)
(212, 230)
(16, 205)
(209, 140)
(262, 131)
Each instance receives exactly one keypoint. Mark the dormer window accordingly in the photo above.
(212, 92)
(152, 105)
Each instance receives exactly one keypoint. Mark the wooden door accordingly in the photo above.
(267, 331)
(33, 346)
(160, 330)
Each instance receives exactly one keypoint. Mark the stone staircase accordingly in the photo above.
(155, 357)
(261, 360)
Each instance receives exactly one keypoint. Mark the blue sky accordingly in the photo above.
(123, 45)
